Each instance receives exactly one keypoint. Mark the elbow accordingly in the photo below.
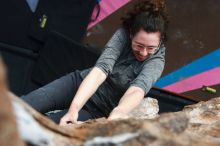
(100, 75)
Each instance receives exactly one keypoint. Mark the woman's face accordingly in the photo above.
(145, 44)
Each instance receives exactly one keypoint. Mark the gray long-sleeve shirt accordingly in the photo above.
(123, 70)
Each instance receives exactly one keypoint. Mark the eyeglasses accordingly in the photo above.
(150, 49)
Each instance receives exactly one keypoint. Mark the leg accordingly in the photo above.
(56, 95)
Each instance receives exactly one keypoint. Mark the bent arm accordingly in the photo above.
(131, 99)
(87, 88)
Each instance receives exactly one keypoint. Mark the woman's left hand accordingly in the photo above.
(117, 113)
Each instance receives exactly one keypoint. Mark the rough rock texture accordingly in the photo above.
(196, 125)
(8, 133)
(148, 109)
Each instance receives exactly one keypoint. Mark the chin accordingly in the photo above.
(141, 58)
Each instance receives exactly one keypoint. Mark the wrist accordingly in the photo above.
(118, 113)
(120, 110)
(73, 108)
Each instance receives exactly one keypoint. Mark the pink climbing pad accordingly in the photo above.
(107, 7)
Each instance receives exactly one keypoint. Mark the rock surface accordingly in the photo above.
(148, 109)
(8, 127)
(196, 125)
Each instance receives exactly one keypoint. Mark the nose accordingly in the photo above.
(143, 52)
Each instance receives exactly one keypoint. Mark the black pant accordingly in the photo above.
(58, 95)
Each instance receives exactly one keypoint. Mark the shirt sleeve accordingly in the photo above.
(112, 51)
(150, 73)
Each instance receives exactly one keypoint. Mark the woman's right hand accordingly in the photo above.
(69, 118)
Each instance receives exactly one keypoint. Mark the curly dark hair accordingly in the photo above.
(150, 15)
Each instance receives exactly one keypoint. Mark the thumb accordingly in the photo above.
(62, 122)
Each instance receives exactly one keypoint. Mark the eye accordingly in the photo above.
(150, 48)
(140, 46)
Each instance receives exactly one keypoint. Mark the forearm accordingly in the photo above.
(87, 88)
(131, 99)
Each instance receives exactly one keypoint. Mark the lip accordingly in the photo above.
(140, 58)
